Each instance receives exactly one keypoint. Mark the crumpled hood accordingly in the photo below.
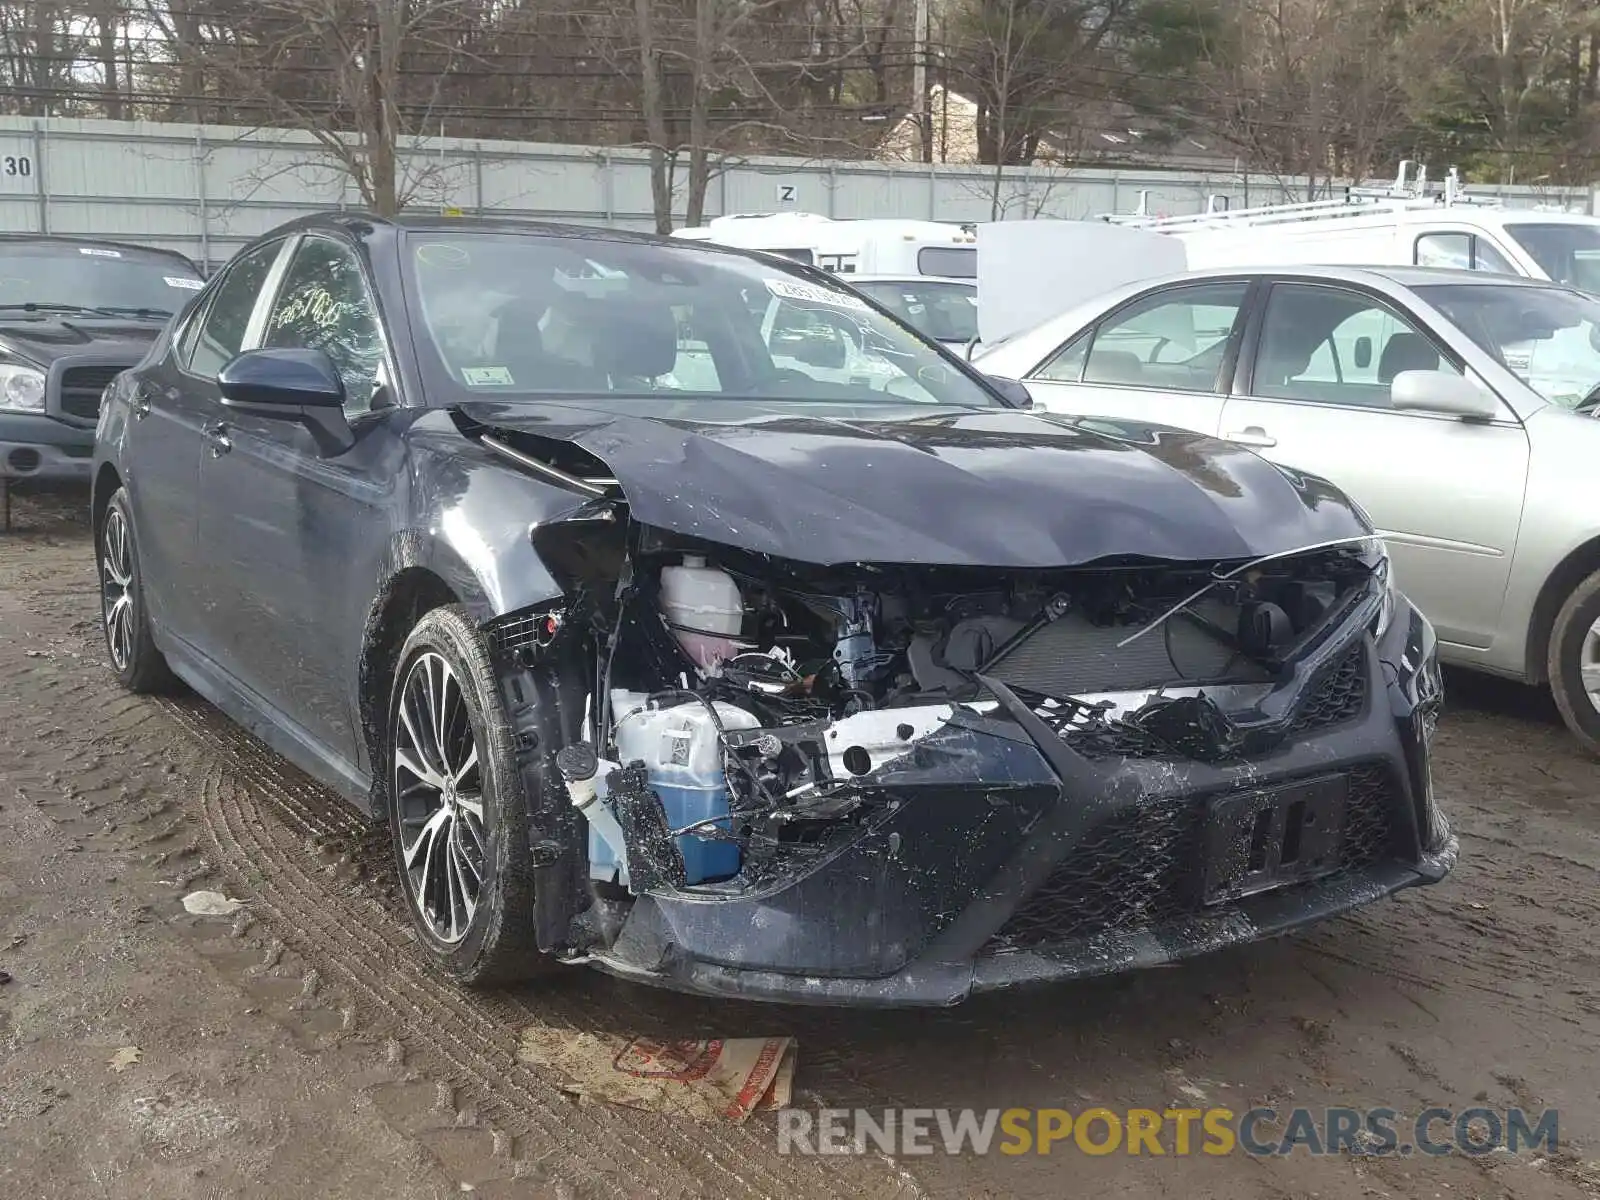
(995, 488)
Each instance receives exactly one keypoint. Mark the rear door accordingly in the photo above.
(1165, 357)
(1312, 393)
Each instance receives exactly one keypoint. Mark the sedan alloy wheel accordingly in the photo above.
(116, 588)
(438, 790)
(124, 615)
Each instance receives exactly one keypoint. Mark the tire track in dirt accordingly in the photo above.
(317, 872)
(1509, 927)
(381, 965)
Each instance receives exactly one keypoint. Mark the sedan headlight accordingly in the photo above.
(1383, 570)
(21, 388)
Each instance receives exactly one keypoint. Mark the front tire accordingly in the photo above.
(1574, 662)
(124, 617)
(458, 810)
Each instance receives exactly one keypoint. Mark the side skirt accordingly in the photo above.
(268, 724)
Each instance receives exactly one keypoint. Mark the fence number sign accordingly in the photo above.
(14, 168)
(787, 193)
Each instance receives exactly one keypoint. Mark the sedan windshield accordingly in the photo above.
(106, 279)
(946, 312)
(1548, 337)
(1567, 253)
(510, 313)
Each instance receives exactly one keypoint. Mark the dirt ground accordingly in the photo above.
(299, 1049)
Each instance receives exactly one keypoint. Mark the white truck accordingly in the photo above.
(873, 246)
(1393, 226)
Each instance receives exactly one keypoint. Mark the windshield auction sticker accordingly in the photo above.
(487, 377)
(794, 289)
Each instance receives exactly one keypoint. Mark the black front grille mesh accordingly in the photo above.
(1141, 868)
(81, 388)
(1341, 696)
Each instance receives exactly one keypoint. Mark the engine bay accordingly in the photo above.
(744, 707)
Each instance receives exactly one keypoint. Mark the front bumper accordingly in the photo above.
(1007, 857)
(34, 446)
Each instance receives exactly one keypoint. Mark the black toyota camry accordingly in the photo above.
(686, 615)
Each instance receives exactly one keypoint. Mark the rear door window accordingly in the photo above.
(951, 262)
(1174, 339)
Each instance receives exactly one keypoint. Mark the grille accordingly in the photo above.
(1340, 697)
(1141, 868)
(81, 388)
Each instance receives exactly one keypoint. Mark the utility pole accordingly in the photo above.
(919, 80)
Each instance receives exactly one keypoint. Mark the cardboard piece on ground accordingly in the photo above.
(715, 1079)
(211, 904)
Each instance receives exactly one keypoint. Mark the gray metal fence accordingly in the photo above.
(206, 190)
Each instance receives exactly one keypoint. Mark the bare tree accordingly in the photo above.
(354, 79)
(1308, 89)
(655, 115)
(718, 79)
(1500, 68)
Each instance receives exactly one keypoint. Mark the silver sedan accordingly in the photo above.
(1458, 408)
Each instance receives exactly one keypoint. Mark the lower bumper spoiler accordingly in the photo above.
(928, 984)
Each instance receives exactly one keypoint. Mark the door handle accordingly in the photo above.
(1253, 436)
(217, 435)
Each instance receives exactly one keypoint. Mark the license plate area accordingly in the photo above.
(1257, 841)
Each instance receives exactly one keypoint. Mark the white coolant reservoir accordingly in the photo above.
(705, 610)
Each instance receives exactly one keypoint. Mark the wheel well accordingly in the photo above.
(1571, 571)
(106, 484)
(408, 596)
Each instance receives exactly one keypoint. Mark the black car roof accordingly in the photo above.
(360, 223)
(60, 239)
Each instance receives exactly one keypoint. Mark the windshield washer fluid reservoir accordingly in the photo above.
(682, 755)
(705, 609)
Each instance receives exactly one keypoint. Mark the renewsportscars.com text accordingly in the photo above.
(1174, 1131)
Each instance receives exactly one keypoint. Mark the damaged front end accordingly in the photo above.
(878, 784)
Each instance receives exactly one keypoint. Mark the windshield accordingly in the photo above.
(1548, 337)
(521, 313)
(117, 281)
(947, 312)
(1568, 253)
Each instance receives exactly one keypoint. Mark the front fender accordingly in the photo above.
(473, 520)
(110, 437)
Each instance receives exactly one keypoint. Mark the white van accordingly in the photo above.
(1399, 225)
(877, 246)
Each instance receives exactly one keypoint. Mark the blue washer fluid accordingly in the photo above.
(682, 754)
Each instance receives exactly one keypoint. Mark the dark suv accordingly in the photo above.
(73, 314)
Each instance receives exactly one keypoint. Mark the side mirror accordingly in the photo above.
(1442, 392)
(290, 385)
(1013, 391)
